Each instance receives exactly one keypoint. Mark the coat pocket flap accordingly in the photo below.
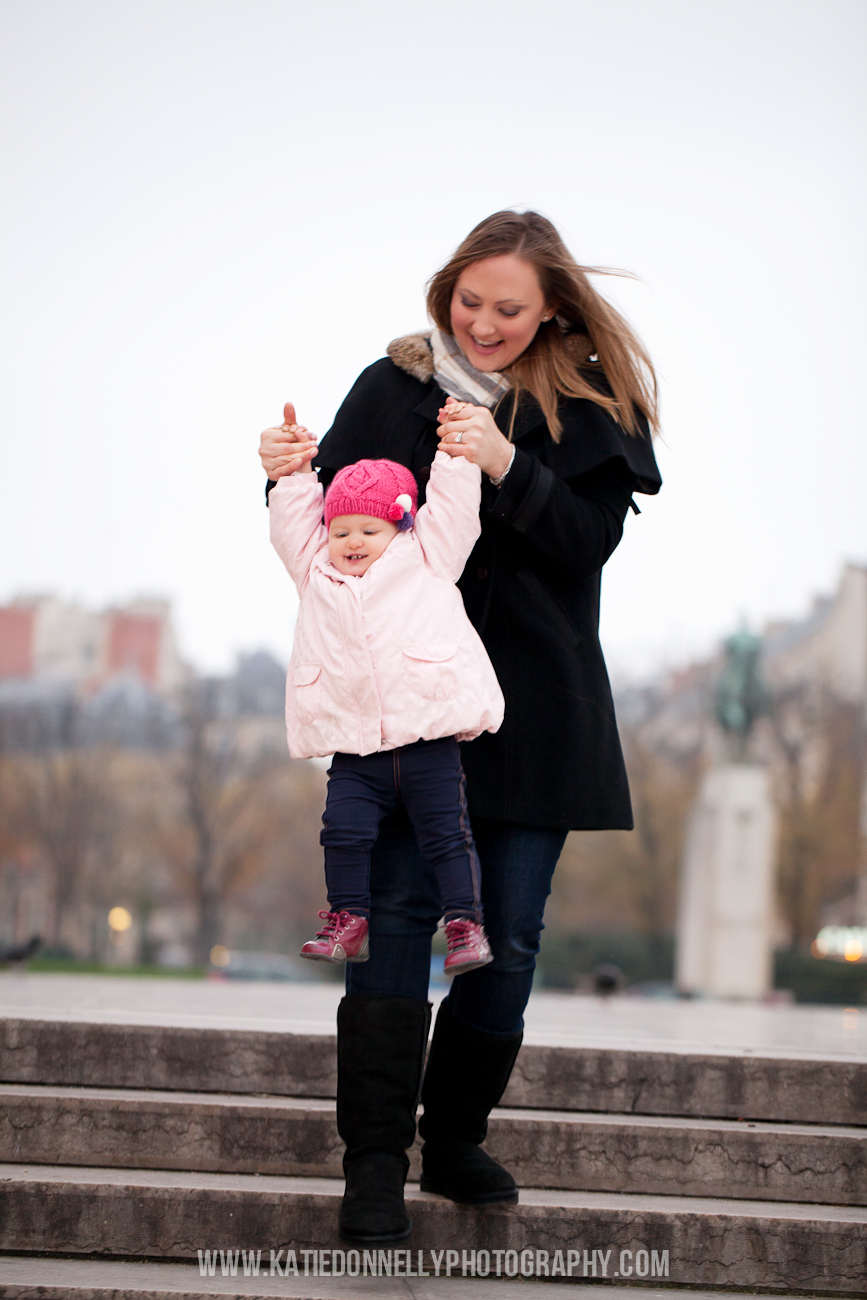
(431, 652)
(306, 674)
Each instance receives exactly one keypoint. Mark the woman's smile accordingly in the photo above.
(497, 306)
(487, 349)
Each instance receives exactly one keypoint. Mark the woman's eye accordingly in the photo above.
(471, 306)
(513, 311)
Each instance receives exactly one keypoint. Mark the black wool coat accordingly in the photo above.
(531, 586)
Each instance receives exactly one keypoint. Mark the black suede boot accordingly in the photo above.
(467, 1073)
(381, 1041)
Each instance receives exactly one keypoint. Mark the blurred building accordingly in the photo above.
(815, 669)
(828, 648)
(72, 675)
(45, 639)
(826, 651)
(253, 699)
(76, 676)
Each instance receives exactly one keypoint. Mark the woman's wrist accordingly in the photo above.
(498, 478)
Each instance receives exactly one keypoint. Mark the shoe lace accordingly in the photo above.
(459, 934)
(334, 922)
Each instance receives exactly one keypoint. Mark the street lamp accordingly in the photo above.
(119, 921)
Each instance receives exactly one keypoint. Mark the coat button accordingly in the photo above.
(481, 573)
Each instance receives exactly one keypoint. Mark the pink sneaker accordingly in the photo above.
(343, 937)
(468, 947)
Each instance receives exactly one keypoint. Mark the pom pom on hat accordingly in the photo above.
(401, 508)
(380, 488)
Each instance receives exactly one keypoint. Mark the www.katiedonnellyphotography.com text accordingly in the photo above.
(596, 1262)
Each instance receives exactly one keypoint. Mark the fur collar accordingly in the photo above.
(412, 353)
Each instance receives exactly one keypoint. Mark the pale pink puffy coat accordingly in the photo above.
(388, 658)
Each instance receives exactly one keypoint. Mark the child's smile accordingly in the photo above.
(356, 541)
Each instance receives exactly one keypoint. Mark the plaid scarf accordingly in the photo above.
(459, 378)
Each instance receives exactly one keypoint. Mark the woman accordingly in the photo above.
(534, 377)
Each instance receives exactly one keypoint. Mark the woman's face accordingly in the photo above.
(497, 306)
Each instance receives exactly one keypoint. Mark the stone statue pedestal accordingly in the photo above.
(725, 916)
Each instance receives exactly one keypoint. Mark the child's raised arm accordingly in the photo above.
(447, 525)
(297, 530)
(286, 448)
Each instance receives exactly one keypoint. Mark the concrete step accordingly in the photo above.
(782, 1087)
(709, 1243)
(25, 1277)
(563, 1149)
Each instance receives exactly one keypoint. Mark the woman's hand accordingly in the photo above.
(286, 449)
(470, 431)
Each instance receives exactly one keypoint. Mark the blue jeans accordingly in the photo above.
(517, 865)
(428, 780)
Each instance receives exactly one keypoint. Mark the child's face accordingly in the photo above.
(355, 541)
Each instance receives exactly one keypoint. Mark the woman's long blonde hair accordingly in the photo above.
(557, 361)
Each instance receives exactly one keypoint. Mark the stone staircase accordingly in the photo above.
(663, 1168)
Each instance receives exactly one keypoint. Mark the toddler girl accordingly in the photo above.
(388, 675)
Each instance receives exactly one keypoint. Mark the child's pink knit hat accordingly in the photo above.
(380, 488)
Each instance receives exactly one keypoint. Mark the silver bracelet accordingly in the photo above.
(498, 482)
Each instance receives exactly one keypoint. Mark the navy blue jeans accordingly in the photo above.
(427, 779)
(517, 865)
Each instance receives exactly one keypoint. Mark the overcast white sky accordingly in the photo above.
(211, 206)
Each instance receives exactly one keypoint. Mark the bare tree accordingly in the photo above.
(616, 880)
(220, 845)
(819, 744)
(66, 806)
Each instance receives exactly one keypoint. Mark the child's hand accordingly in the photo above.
(470, 431)
(287, 449)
